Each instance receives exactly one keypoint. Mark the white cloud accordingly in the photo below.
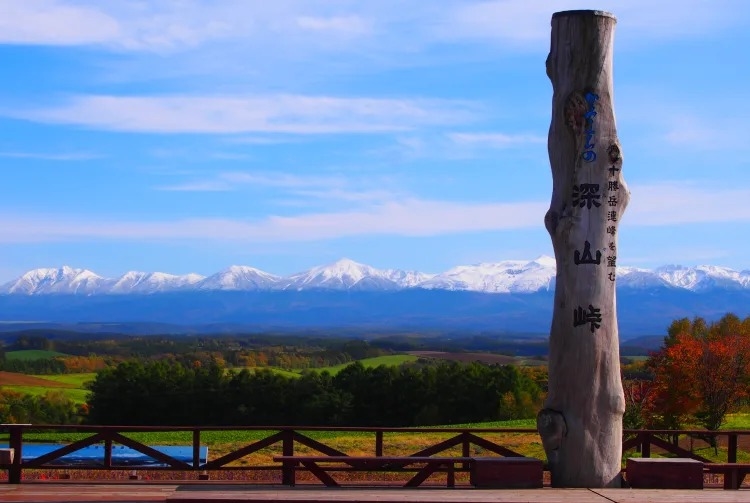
(411, 217)
(495, 140)
(340, 24)
(677, 203)
(174, 26)
(298, 190)
(65, 156)
(166, 27)
(521, 22)
(666, 204)
(708, 134)
(294, 114)
(55, 23)
(198, 186)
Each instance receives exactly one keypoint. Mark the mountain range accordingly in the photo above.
(509, 296)
(510, 276)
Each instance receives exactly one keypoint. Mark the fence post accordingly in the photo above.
(732, 448)
(378, 443)
(645, 444)
(196, 448)
(287, 449)
(108, 453)
(16, 443)
(465, 448)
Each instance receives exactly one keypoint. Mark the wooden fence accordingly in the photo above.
(285, 440)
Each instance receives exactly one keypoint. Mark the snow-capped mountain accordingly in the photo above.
(703, 277)
(510, 276)
(239, 277)
(151, 282)
(632, 277)
(344, 274)
(407, 279)
(62, 280)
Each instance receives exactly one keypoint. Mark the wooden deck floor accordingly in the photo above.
(52, 492)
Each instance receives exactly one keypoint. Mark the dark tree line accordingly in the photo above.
(284, 351)
(51, 408)
(164, 393)
(37, 366)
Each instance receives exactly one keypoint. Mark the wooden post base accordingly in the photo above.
(6, 456)
(664, 473)
(507, 473)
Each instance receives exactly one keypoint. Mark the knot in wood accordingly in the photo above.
(575, 110)
(614, 153)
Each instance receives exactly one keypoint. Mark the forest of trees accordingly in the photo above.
(163, 393)
(94, 352)
(51, 408)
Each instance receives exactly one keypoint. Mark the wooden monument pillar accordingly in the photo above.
(581, 424)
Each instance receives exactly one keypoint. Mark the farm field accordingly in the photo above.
(489, 358)
(276, 370)
(76, 380)
(389, 360)
(71, 385)
(32, 354)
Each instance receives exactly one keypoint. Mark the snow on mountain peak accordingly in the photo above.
(341, 275)
(545, 261)
(238, 277)
(151, 282)
(499, 277)
(508, 276)
(66, 279)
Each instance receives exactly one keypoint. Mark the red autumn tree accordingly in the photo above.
(702, 371)
(673, 397)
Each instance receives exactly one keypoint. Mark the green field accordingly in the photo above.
(70, 385)
(75, 388)
(389, 360)
(275, 370)
(233, 436)
(32, 354)
(74, 380)
(75, 394)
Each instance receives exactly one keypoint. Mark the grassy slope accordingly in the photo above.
(71, 385)
(32, 354)
(285, 373)
(73, 380)
(391, 360)
(75, 394)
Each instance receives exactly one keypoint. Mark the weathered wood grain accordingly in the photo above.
(581, 424)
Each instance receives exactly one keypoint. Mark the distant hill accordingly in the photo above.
(32, 354)
(640, 311)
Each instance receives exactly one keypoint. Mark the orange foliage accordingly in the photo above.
(702, 371)
(80, 364)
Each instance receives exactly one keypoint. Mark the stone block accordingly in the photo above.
(507, 473)
(664, 473)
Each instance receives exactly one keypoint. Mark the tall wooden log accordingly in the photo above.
(581, 424)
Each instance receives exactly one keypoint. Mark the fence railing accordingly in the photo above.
(288, 441)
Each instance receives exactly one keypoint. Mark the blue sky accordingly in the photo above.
(188, 136)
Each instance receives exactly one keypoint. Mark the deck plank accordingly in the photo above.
(55, 492)
(675, 495)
